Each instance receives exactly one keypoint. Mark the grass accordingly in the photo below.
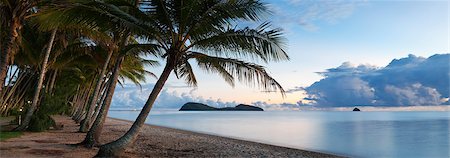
(7, 135)
(5, 127)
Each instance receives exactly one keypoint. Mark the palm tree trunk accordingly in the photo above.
(17, 91)
(79, 103)
(5, 55)
(85, 102)
(52, 83)
(74, 101)
(34, 104)
(100, 102)
(93, 134)
(48, 82)
(11, 75)
(85, 125)
(11, 91)
(115, 148)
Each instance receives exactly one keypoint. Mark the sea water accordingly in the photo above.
(354, 134)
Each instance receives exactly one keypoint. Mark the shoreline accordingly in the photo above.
(153, 141)
(234, 138)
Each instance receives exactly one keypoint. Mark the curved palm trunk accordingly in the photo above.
(74, 102)
(100, 102)
(5, 56)
(34, 104)
(85, 102)
(85, 125)
(117, 147)
(80, 104)
(93, 134)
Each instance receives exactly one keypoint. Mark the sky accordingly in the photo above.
(326, 34)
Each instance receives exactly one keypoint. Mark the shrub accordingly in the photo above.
(40, 122)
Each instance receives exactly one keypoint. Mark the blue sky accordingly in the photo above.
(323, 34)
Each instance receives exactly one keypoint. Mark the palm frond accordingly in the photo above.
(260, 43)
(248, 73)
(141, 49)
(223, 13)
(96, 15)
(184, 70)
(152, 63)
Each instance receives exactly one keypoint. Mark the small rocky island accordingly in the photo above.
(356, 109)
(192, 106)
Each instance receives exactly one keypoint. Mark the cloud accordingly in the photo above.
(407, 81)
(282, 106)
(348, 68)
(308, 13)
(403, 82)
(131, 97)
(341, 91)
(414, 94)
(295, 89)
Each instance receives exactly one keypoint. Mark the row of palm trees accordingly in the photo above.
(79, 50)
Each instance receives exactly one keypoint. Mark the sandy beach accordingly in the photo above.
(154, 141)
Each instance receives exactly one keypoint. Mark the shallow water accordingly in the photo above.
(355, 134)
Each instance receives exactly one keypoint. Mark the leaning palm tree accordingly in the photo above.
(128, 64)
(38, 88)
(93, 17)
(200, 30)
(12, 15)
(113, 17)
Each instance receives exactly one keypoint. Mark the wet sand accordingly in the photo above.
(154, 141)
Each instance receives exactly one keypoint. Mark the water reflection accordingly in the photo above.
(365, 134)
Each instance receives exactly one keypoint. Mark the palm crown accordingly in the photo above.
(202, 30)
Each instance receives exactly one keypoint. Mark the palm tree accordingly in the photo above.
(128, 65)
(98, 17)
(112, 17)
(132, 69)
(101, 78)
(200, 30)
(12, 15)
(37, 92)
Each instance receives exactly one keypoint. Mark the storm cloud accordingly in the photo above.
(404, 82)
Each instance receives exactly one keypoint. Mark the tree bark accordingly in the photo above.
(85, 102)
(100, 102)
(79, 104)
(5, 55)
(85, 125)
(47, 84)
(115, 148)
(34, 104)
(74, 102)
(52, 82)
(93, 134)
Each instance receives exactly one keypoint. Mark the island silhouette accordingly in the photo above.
(193, 106)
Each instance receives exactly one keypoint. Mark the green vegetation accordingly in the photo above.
(67, 56)
(6, 135)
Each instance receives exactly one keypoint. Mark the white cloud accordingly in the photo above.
(404, 82)
(132, 97)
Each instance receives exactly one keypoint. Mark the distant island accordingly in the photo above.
(192, 106)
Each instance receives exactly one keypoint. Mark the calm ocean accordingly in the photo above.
(354, 134)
